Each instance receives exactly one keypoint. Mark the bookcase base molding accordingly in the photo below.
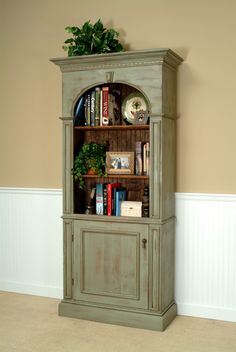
(137, 319)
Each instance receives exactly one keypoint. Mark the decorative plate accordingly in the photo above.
(135, 109)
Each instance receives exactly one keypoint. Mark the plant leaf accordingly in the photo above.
(98, 26)
(92, 39)
(70, 40)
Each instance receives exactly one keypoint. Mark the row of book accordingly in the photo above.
(109, 197)
(99, 107)
(142, 162)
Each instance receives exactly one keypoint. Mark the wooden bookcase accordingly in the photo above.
(120, 269)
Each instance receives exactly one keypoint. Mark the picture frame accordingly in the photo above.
(120, 163)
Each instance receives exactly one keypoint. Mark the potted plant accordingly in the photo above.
(92, 39)
(90, 159)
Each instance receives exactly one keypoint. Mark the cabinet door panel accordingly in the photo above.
(110, 265)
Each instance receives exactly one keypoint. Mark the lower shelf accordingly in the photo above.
(142, 320)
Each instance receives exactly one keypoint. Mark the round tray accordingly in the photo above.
(135, 109)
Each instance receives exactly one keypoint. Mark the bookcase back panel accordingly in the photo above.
(117, 141)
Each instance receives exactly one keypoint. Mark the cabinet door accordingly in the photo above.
(110, 264)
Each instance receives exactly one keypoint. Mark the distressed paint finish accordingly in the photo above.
(67, 160)
(151, 71)
(67, 255)
(155, 167)
(109, 276)
(119, 316)
(168, 169)
(110, 264)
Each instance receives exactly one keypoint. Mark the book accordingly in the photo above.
(105, 102)
(101, 123)
(120, 196)
(110, 186)
(114, 198)
(79, 114)
(99, 199)
(147, 158)
(113, 205)
(97, 106)
(105, 199)
(87, 110)
(92, 109)
(138, 159)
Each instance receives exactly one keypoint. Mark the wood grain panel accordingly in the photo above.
(111, 266)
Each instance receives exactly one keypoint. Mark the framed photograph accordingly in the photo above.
(120, 163)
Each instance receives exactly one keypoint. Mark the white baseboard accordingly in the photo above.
(207, 312)
(31, 253)
(30, 289)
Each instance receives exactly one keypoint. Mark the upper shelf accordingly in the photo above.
(113, 127)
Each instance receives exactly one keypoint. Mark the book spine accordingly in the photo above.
(113, 210)
(100, 108)
(105, 199)
(109, 199)
(97, 106)
(99, 199)
(92, 109)
(138, 159)
(105, 104)
(148, 158)
(145, 159)
(88, 112)
(110, 186)
(120, 195)
(79, 115)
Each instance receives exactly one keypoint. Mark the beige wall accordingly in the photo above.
(202, 32)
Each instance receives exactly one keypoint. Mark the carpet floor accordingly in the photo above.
(31, 324)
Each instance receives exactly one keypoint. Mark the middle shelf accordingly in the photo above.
(134, 177)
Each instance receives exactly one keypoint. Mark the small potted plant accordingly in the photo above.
(91, 159)
(92, 39)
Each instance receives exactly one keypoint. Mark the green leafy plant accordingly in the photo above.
(91, 157)
(92, 39)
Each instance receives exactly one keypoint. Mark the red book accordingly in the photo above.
(110, 186)
(105, 105)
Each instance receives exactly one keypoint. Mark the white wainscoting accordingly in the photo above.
(31, 249)
(31, 253)
(206, 255)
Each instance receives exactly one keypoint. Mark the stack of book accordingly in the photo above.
(99, 107)
(108, 198)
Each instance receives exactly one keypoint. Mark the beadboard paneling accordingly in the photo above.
(206, 255)
(31, 241)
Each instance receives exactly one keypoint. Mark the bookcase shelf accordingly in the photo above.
(112, 128)
(134, 177)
